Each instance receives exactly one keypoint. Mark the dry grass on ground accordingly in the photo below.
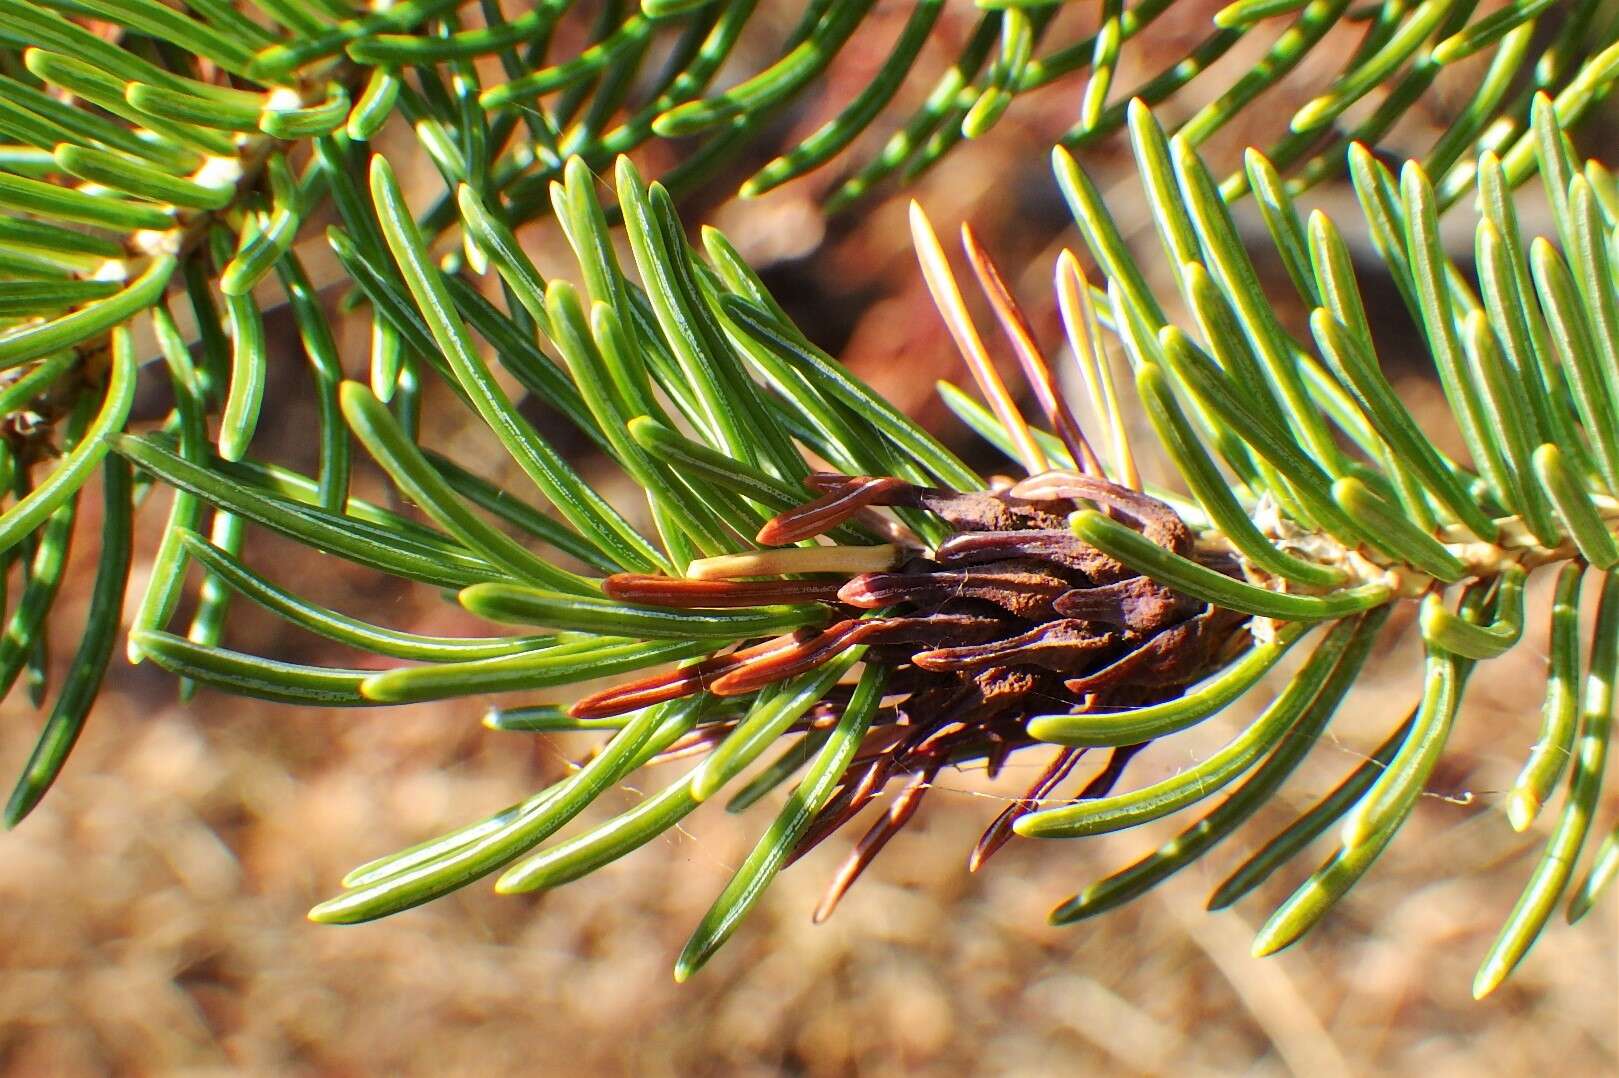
(151, 922)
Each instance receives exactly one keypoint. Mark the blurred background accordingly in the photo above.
(151, 911)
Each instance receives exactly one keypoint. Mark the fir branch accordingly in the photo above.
(186, 153)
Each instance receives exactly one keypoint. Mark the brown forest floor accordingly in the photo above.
(151, 911)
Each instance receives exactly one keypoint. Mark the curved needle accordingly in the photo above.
(1035, 368)
(947, 297)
